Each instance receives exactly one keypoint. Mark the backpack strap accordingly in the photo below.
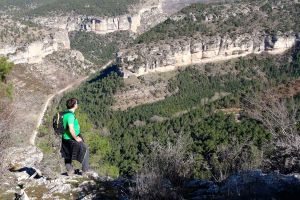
(67, 111)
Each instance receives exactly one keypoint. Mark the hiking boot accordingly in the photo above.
(71, 173)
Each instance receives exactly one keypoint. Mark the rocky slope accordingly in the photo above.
(32, 184)
(213, 33)
(22, 43)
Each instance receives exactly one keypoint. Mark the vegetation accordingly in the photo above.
(99, 49)
(234, 20)
(88, 7)
(5, 68)
(18, 3)
(6, 96)
(209, 132)
(6, 89)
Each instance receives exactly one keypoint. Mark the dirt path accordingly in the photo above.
(50, 98)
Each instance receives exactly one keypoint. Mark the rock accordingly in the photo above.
(143, 59)
(21, 176)
(246, 184)
(19, 157)
(21, 194)
(139, 20)
(156, 118)
(37, 50)
(7, 49)
(139, 123)
(77, 55)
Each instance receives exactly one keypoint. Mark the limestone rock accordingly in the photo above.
(21, 157)
(37, 50)
(169, 55)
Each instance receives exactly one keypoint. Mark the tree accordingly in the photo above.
(280, 119)
(5, 68)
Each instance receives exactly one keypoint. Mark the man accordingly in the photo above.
(73, 147)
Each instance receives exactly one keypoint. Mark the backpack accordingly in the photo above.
(58, 122)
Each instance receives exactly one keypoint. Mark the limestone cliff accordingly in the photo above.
(168, 55)
(35, 51)
(208, 33)
(140, 18)
(138, 21)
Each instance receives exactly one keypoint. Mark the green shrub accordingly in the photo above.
(5, 68)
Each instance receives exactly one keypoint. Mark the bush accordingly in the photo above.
(5, 68)
(163, 170)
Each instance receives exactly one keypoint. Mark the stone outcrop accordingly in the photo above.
(16, 157)
(246, 185)
(35, 52)
(137, 22)
(169, 55)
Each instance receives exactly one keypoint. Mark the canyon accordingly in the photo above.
(46, 66)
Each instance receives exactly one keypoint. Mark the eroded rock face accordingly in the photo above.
(169, 55)
(137, 21)
(37, 50)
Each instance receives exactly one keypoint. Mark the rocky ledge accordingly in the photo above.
(35, 51)
(168, 55)
(243, 185)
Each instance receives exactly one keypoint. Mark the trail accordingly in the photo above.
(50, 98)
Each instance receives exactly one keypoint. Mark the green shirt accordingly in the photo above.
(70, 118)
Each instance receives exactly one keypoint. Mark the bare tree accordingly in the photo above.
(233, 157)
(280, 120)
(166, 168)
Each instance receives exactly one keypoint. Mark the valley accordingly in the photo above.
(168, 94)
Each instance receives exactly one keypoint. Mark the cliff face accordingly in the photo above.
(34, 52)
(138, 21)
(209, 33)
(168, 55)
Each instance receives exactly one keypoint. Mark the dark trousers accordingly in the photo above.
(85, 162)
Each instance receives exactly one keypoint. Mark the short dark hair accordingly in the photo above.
(71, 103)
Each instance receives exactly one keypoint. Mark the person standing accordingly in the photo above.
(73, 146)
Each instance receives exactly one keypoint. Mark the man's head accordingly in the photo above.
(72, 103)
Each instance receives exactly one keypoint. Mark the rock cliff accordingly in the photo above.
(34, 52)
(216, 32)
(139, 19)
(168, 55)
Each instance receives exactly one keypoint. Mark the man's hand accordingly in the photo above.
(78, 139)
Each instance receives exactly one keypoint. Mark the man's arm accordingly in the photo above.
(71, 120)
(72, 131)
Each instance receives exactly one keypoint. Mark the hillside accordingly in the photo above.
(207, 33)
(234, 19)
(200, 103)
(89, 7)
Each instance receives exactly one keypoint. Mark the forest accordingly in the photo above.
(118, 142)
(99, 49)
(193, 20)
